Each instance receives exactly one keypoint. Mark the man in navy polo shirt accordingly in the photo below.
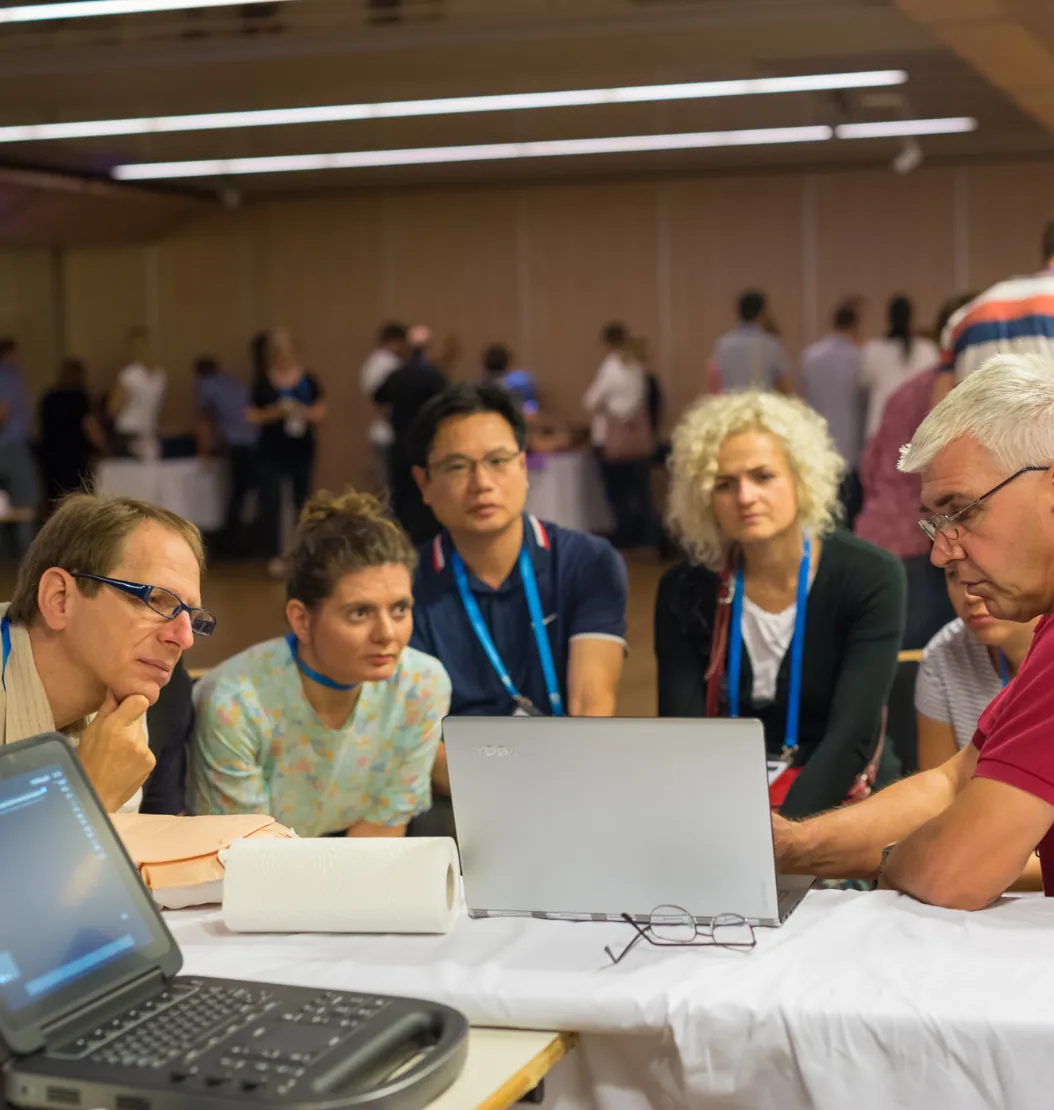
(479, 580)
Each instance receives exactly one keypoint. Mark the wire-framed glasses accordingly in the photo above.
(163, 602)
(458, 468)
(675, 927)
(950, 525)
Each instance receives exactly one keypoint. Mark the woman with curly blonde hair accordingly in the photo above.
(754, 503)
(333, 728)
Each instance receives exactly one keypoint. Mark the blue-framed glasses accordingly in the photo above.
(163, 602)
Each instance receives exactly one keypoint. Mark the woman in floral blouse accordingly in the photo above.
(332, 729)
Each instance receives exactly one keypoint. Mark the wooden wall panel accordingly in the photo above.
(316, 267)
(30, 312)
(725, 237)
(109, 290)
(592, 257)
(1007, 213)
(879, 234)
(451, 263)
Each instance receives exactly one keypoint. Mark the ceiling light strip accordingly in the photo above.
(905, 128)
(81, 9)
(333, 113)
(361, 159)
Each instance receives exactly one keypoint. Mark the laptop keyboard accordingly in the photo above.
(168, 1025)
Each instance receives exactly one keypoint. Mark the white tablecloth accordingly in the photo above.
(566, 489)
(194, 489)
(864, 1000)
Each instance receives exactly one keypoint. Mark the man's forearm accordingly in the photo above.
(847, 843)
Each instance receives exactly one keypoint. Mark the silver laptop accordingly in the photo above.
(578, 817)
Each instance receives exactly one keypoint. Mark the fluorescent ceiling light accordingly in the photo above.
(359, 159)
(329, 113)
(905, 128)
(81, 9)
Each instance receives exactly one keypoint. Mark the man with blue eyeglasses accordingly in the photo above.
(107, 600)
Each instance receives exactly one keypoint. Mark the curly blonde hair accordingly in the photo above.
(800, 431)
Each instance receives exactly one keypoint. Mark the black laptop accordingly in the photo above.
(93, 1015)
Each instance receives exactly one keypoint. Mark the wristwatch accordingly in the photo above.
(883, 882)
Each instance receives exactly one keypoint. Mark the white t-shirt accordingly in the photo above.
(374, 373)
(767, 638)
(144, 391)
(884, 369)
(956, 680)
(619, 389)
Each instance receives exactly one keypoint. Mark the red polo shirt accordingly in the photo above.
(1014, 734)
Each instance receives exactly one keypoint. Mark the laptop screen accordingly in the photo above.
(73, 915)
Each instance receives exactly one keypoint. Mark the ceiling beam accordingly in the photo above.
(1009, 42)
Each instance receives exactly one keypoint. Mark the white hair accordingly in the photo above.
(1007, 406)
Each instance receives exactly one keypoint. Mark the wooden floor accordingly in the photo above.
(248, 607)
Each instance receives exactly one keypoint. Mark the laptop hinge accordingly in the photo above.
(116, 998)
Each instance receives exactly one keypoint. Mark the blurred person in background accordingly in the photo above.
(134, 403)
(519, 383)
(222, 425)
(891, 499)
(754, 502)
(750, 356)
(1015, 317)
(403, 394)
(830, 384)
(287, 406)
(69, 433)
(964, 667)
(889, 362)
(623, 439)
(391, 352)
(18, 468)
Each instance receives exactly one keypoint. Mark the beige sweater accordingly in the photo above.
(24, 707)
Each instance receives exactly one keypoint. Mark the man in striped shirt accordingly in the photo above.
(1015, 316)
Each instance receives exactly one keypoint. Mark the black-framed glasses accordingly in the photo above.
(457, 468)
(675, 927)
(949, 525)
(163, 602)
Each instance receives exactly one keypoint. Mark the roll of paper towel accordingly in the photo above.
(342, 885)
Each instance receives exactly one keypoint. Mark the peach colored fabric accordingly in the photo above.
(184, 851)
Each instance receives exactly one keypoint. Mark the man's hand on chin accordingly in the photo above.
(114, 752)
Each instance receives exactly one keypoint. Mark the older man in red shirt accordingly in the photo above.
(960, 835)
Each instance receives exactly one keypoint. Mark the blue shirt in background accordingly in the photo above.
(582, 586)
(226, 400)
(830, 380)
(15, 429)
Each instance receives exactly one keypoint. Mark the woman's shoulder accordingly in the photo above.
(420, 675)
(250, 670)
(687, 578)
(954, 643)
(859, 557)
(686, 599)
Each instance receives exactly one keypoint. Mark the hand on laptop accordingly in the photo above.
(114, 751)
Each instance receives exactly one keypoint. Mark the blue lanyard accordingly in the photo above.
(315, 676)
(5, 636)
(541, 637)
(1004, 670)
(735, 649)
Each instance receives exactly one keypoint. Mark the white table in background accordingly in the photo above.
(566, 489)
(195, 489)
